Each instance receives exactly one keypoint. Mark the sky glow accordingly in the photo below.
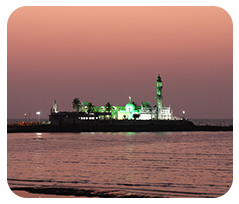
(101, 54)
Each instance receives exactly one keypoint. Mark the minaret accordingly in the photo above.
(159, 87)
(55, 107)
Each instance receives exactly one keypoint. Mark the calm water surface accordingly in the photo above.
(168, 164)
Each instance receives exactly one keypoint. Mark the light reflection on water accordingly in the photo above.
(168, 163)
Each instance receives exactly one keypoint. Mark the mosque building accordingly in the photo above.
(146, 111)
(131, 111)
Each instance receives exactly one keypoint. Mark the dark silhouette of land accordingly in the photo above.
(79, 192)
(114, 193)
(119, 126)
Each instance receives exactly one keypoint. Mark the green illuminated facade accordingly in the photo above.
(130, 111)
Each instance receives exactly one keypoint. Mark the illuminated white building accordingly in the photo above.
(130, 111)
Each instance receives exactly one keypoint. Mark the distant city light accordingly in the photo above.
(38, 113)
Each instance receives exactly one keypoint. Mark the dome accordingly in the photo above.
(159, 79)
(130, 106)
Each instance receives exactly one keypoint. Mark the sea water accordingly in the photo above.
(158, 164)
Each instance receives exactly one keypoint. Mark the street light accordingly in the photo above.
(183, 114)
(38, 116)
(25, 117)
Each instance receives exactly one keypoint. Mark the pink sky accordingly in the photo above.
(102, 54)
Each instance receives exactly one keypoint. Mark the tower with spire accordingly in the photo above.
(159, 97)
(55, 107)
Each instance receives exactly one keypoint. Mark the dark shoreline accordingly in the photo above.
(112, 193)
(120, 126)
(79, 192)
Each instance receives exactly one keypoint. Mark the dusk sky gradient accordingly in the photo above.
(101, 54)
